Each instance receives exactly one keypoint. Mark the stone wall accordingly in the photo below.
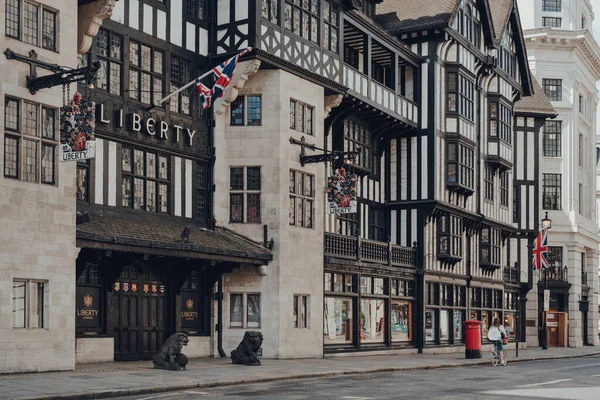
(37, 234)
(297, 266)
(93, 349)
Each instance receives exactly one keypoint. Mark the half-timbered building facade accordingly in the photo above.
(460, 211)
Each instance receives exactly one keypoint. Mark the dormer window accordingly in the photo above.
(468, 25)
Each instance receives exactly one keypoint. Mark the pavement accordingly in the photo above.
(118, 379)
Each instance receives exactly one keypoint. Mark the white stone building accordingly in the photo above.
(37, 204)
(565, 59)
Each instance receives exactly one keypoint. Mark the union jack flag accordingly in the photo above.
(223, 74)
(540, 250)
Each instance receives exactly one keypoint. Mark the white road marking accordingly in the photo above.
(356, 398)
(595, 375)
(193, 392)
(580, 393)
(545, 383)
(156, 397)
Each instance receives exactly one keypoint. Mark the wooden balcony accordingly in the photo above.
(358, 249)
(381, 96)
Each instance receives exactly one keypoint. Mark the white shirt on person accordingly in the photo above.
(494, 332)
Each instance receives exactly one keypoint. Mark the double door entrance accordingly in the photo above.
(139, 312)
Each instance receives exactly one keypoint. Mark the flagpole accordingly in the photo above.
(204, 75)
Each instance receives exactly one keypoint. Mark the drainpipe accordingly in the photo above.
(220, 317)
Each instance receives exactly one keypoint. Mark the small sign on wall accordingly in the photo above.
(546, 300)
(88, 304)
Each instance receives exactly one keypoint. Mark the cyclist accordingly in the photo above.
(495, 334)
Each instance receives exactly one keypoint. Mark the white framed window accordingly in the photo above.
(29, 305)
(301, 310)
(244, 310)
(32, 23)
(302, 117)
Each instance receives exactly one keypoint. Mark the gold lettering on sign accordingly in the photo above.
(87, 312)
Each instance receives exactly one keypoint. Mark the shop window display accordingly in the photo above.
(338, 320)
(430, 325)
(401, 321)
(458, 326)
(372, 321)
(510, 324)
(485, 324)
(445, 325)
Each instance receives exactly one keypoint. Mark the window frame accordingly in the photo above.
(464, 165)
(27, 304)
(307, 125)
(83, 167)
(552, 88)
(312, 13)
(358, 135)
(301, 302)
(491, 241)
(504, 188)
(243, 102)
(110, 60)
(552, 139)
(244, 193)
(331, 26)
(133, 176)
(450, 227)
(179, 74)
(244, 311)
(41, 141)
(462, 89)
(488, 178)
(195, 6)
(271, 8)
(554, 199)
(42, 10)
(551, 22)
(201, 178)
(306, 196)
(552, 5)
(140, 70)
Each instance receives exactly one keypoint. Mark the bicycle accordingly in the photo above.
(495, 355)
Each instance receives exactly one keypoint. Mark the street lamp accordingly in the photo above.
(546, 222)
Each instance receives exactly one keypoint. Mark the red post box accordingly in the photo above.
(472, 339)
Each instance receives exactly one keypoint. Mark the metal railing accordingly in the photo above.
(556, 274)
(356, 248)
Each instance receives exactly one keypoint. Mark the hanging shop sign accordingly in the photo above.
(341, 192)
(77, 125)
(88, 303)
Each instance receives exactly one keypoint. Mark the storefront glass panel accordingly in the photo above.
(510, 325)
(430, 325)
(445, 325)
(401, 321)
(485, 324)
(372, 321)
(458, 326)
(338, 320)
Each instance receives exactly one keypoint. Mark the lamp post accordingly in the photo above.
(546, 224)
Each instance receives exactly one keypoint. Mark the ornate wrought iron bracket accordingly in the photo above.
(61, 75)
(335, 155)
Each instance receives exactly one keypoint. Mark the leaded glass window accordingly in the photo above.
(146, 80)
(13, 18)
(357, 137)
(330, 25)
(180, 73)
(29, 141)
(302, 195)
(551, 191)
(553, 89)
(145, 180)
(110, 55)
(244, 194)
(302, 18)
(34, 24)
(301, 117)
(270, 10)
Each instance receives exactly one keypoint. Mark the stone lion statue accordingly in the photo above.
(246, 352)
(170, 356)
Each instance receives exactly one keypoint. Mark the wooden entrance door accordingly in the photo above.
(139, 313)
(552, 326)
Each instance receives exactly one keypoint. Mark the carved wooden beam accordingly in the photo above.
(89, 19)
